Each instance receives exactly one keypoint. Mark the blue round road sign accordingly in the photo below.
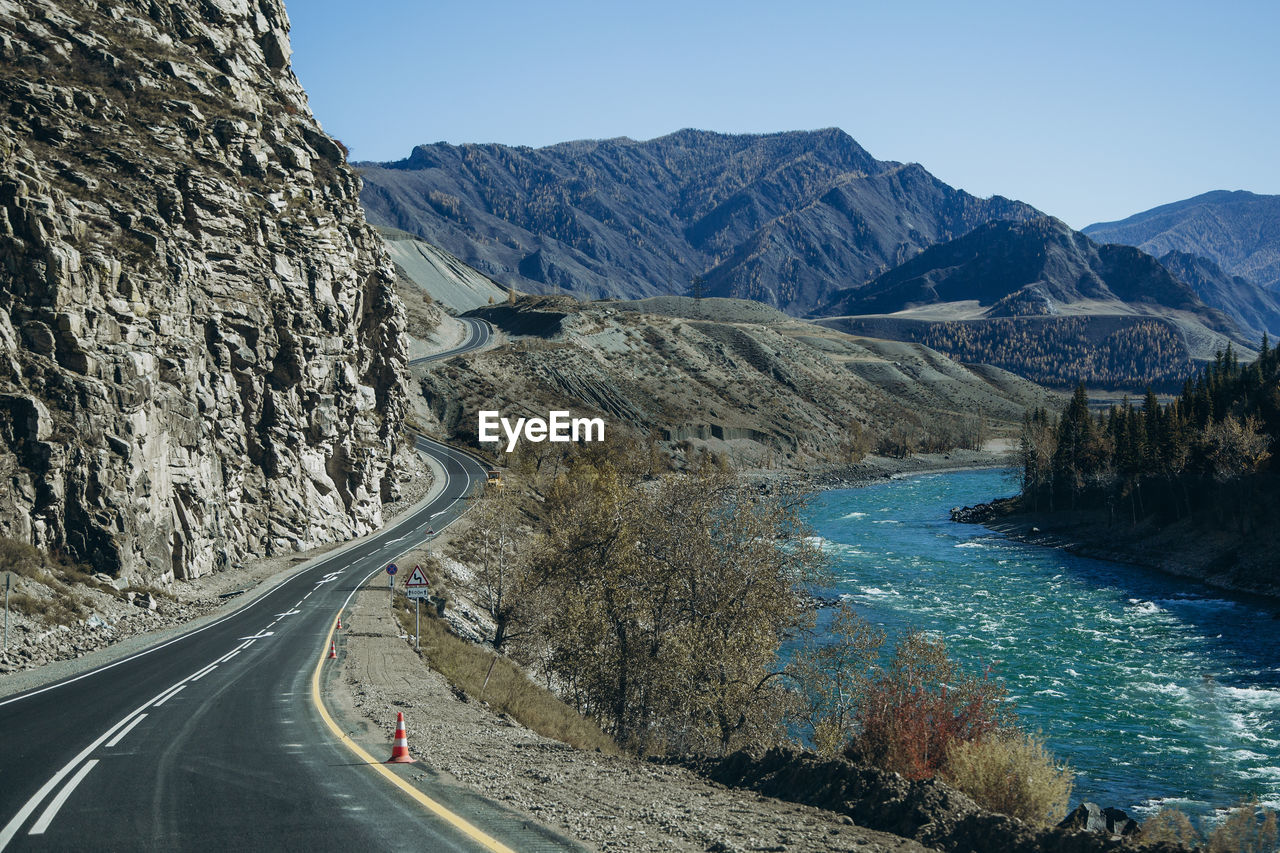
(391, 569)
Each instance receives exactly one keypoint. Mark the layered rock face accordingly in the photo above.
(201, 354)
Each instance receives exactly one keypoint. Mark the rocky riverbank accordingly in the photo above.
(927, 811)
(783, 800)
(878, 469)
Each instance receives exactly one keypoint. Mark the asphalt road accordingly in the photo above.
(478, 336)
(211, 740)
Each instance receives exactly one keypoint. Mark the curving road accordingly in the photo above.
(479, 332)
(211, 740)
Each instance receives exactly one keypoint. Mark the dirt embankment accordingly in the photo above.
(928, 810)
(610, 803)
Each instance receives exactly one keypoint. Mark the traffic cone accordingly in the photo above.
(333, 650)
(339, 622)
(400, 749)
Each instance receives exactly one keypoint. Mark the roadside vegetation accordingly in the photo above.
(52, 598)
(915, 711)
(655, 603)
(503, 684)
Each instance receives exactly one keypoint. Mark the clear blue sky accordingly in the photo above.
(1089, 111)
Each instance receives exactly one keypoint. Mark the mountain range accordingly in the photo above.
(783, 218)
(812, 224)
(1239, 231)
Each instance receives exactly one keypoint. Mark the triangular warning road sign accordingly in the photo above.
(417, 578)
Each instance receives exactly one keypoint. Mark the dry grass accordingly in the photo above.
(1011, 772)
(1171, 826)
(57, 574)
(509, 690)
(58, 610)
(1247, 828)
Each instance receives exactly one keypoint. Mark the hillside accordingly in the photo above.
(783, 394)
(783, 218)
(453, 284)
(1045, 302)
(1239, 231)
(201, 342)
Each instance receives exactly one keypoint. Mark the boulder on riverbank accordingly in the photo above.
(1092, 818)
(983, 513)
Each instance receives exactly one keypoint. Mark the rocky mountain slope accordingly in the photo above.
(200, 344)
(1239, 231)
(1036, 268)
(1256, 310)
(783, 218)
(1046, 302)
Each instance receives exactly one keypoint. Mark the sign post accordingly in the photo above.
(391, 577)
(417, 588)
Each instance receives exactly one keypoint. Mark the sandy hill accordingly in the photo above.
(447, 280)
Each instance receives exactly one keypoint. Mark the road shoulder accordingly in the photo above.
(608, 803)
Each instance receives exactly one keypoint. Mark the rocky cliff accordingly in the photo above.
(201, 353)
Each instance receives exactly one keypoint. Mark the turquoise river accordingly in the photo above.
(1156, 689)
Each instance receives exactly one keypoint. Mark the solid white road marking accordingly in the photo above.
(228, 655)
(56, 803)
(169, 695)
(115, 740)
(293, 612)
(258, 636)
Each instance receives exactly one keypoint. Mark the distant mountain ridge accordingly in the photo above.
(1036, 268)
(1239, 231)
(782, 218)
(1046, 302)
(1256, 310)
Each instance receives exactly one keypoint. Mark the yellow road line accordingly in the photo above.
(457, 822)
